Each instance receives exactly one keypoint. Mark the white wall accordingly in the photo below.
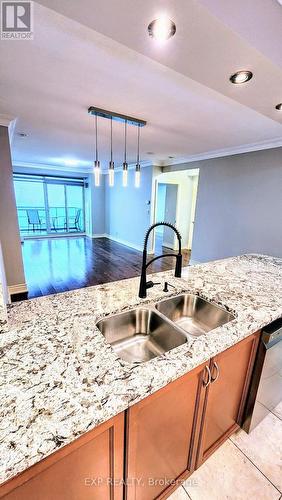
(95, 207)
(127, 212)
(239, 205)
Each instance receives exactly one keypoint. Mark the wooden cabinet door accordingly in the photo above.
(160, 432)
(89, 468)
(225, 395)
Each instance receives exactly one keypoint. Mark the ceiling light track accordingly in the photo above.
(111, 115)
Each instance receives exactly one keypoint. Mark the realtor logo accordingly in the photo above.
(16, 20)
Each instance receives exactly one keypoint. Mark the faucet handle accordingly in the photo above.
(150, 284)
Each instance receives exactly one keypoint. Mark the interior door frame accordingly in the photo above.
(154, 220)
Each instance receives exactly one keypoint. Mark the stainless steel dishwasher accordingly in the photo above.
(266, 385)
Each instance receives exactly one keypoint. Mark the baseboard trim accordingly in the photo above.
(119, 240)
(124, 242)
(20, 288)
(51, 236)
(17, 292)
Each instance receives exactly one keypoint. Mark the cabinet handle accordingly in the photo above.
(217, 372)
(205, 384)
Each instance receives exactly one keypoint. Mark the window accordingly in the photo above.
(49, 205)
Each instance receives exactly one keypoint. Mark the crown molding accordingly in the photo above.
(10, 122)
(62, 168)
(6, 119)
(48, 166)
(245, 148)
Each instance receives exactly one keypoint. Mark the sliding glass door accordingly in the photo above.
(49, 205)
(30, 200)
(56, 207)
(75, 208)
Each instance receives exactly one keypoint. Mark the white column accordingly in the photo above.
(9, 226)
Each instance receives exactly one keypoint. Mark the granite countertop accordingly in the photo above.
(59, 378)
(3, 310)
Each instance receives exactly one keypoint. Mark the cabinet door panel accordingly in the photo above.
(86, 472)
(225, 396)
(160, 437)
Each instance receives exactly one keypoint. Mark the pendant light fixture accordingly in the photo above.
(138, 168)
(125, 164)
(127, 120)
(96, 163)
(111, 163)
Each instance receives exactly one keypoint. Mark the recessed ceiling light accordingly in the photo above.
(22, 134)
(279, 106)
(162, 28)
(150, 153)
(241, 77)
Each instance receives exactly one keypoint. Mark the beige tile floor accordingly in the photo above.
(246, 467)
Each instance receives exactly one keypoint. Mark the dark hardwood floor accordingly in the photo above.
(60, 264)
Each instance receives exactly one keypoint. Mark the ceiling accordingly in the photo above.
(98, 53)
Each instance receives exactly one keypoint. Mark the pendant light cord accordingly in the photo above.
(96, 135)
(138, 145)
(111, 139)
(125, 134)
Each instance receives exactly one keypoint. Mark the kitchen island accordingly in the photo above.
(60, 379)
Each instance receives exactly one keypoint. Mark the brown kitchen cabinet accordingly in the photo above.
(170, 433)
(89, 468)
(160, 436)
(225, 395)
(160, 441)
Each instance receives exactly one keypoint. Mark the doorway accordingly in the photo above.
(175, 202)
(166, 211)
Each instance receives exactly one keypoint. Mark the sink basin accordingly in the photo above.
(140, 334)
(192, 313)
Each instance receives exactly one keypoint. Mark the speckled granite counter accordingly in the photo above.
(60, 379)
(3, 311)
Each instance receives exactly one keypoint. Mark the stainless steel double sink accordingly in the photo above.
(143, 333)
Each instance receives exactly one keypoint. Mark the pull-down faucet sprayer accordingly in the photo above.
(143, 280)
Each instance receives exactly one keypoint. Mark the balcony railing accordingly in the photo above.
(37, 223)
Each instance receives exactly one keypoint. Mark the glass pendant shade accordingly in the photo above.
(138, 167)
(97, 173)
(125, 164)
(111, 173)
(124, 174)
(111, 163)
(137, 176)
(96, 163)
